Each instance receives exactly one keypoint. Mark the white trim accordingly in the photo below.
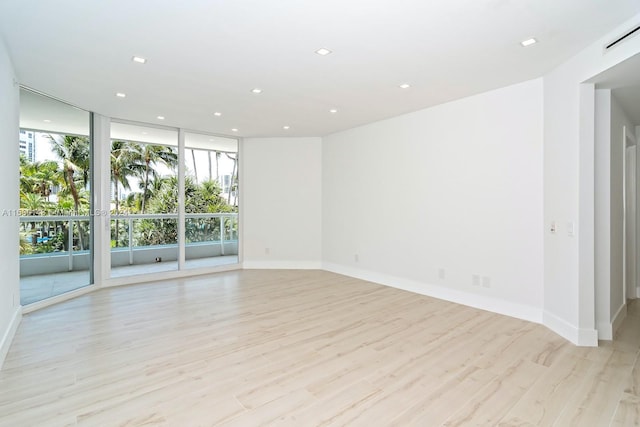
(102, 198)
(581, 337)
(587, 338)
(495, 305)
(605, 331)
(586, 232)
(181, 202)
(7, 339)
(240, 177)
(282, 265)
(618, 319)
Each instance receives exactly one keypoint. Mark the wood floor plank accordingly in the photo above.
(596, 400)
(543, 402)
(628, 412)
(280, 347)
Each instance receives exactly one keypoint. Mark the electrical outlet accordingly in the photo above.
(475, 280)
(267, 251)
(486, 281)
(356, 258)
(441, 273)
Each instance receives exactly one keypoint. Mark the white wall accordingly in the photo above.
(9, 249)
(569, 290)
(456, 187)
(281, 202)
(603, 212)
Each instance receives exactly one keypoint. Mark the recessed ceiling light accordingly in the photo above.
(234, 130)
(139, 59)
(256, 90)
(160, 117)
(405, 86)
(121, 95)
(333, 111)
(211, 140)
(286, 127)
(217, 114)
(47, 121)
(144, 133)
(323, 51)
(528, 42)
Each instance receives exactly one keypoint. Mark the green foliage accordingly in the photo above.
(73, 152)
(129, 162)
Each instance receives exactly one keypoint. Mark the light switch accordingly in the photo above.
(554, 227)
(571, 229)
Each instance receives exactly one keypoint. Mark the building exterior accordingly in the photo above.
(28, 144)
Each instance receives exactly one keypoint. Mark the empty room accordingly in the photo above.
(304, 213)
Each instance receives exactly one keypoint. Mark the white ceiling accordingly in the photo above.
(44, 114)
(207, 55)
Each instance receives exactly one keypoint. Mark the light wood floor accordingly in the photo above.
(305, 348)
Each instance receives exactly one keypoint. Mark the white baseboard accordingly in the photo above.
(7, 338)
(618, 319)
(282, 265)
(581, 337)
(607, 330)
(495, 305)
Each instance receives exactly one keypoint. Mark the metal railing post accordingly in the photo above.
(222, 234)
(130, 233)
(70, 237)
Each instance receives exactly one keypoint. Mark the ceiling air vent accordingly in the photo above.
(622, 38)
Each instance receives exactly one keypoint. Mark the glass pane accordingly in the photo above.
(144, 208)
(55, 225)
(211, 200)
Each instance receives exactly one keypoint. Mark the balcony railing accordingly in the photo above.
(140, 238)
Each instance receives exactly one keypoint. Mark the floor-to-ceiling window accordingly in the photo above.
(55, 197)
(146, 233)
(144, 199)
(211, 200)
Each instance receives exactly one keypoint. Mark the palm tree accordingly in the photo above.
(73, 151)
(152, 155)
(125, 163)
(33, 203)
(46, 176)
(195, 169)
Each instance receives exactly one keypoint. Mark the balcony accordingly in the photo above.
(144, 243)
